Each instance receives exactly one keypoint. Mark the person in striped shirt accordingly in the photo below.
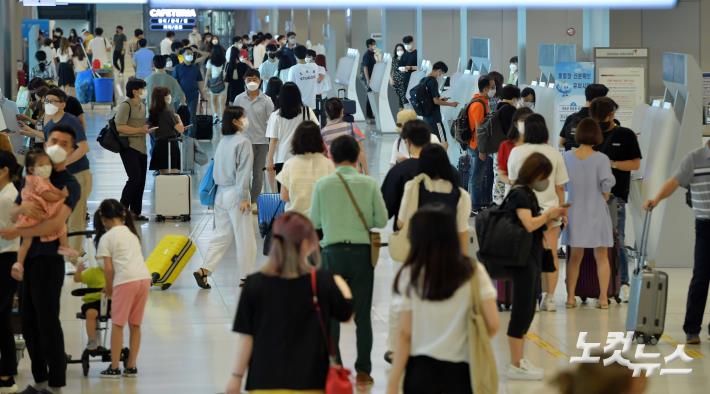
(694, 175)
(337, 126)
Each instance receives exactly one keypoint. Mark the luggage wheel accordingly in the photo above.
(185, 218)
(154, 278)
(617, 299)
(159, 219)
(165, 286)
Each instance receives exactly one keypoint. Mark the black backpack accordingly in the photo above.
(504, 243)
(422, 102)
(461, 128)
(490, 134)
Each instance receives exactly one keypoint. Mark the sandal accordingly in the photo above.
(570, 305)
(603, 306)
(201, 279)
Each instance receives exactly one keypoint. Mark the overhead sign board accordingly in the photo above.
(566, 4)
(172, 19)
(620, 52)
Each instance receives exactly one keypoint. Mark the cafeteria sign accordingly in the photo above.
(165, 19)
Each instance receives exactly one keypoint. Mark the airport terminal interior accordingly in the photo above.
(647, 62)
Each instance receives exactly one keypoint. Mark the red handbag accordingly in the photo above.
(338, 379)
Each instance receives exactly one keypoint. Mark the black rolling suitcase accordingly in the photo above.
(203, 125)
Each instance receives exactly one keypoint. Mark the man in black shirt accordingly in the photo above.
(44, 271)
(621, 146)
(408, 61)
(366, 67)
(591, 92)
(432, 86)
(416, 135)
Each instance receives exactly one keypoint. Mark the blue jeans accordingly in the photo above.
(481, 185)
(698, 289)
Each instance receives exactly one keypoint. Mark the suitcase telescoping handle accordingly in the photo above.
(643, 244)
(344, 96)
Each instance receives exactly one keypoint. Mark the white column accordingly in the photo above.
(419, 35)
(595, 29)
(522, 45)
(463, 38)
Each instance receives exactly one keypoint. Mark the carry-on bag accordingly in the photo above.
(649, 295)
(172, 195)
(270, 207)
(464, 168)
(203, 125)
(168, 259)
(588, 281)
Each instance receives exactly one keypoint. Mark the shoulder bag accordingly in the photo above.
(481, 361)
(109, 137)
(375, 239)
(338, 379)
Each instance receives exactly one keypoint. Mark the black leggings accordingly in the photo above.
(8, 286)
(525, 284)
(136, 165)
(427, 375)
(118, 58)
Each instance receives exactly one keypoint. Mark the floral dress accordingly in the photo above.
(398, 80)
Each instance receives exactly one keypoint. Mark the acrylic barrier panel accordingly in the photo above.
(546, 55)
(379, 72)
(461, 91)
(480, 47)
(344, 70)
(659, 167)
(565, 53)
(545, 105)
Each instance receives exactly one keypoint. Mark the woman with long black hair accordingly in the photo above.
(282, 126)
(214, 74)
(433, 295)
(169, 126)
(237, 65)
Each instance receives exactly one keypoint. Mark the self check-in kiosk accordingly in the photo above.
(379, 95)
(671, 128)
(346, 78)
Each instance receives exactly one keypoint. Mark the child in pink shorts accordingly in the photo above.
(127, 283)
(39, 190)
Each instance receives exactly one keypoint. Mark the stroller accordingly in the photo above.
(102, 353)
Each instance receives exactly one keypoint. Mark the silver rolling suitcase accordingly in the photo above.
(172, 195)
(649, 295)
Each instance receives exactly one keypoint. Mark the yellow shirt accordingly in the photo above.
(93, 278)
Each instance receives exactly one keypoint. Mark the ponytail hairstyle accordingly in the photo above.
(41, 57)
(290, 230)
(112, 209)
(99, 228)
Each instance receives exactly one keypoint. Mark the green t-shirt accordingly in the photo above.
(93, 278)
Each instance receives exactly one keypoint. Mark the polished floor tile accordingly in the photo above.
(188, 346)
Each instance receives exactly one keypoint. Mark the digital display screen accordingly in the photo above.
(645, 4)
(172, 19)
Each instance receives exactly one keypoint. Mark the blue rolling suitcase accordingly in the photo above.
(270, 207)
(649, 295)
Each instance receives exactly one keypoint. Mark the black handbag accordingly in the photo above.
(109, 138)
(503, 241)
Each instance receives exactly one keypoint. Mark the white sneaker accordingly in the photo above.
(548, 304)
(524, 372)
(530, 366)
(625, 292)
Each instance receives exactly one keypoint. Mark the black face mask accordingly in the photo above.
(605, 125)
(272, 56)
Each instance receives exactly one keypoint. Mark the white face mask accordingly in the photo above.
(188, 58)
(56, 154)
(521, 127)
(292, 40)
(541, 186)
(252, 86)
(309, 59)
(408, 47)
(529, 104)
(239, 45)
(245, 123)
(168, 99)
(513, 67)
(491, 93)
(215, 42)
(400, 53)
(144, 94)
(42, 171)
(50, 109)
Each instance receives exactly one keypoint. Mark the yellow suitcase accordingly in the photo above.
(168, 259)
